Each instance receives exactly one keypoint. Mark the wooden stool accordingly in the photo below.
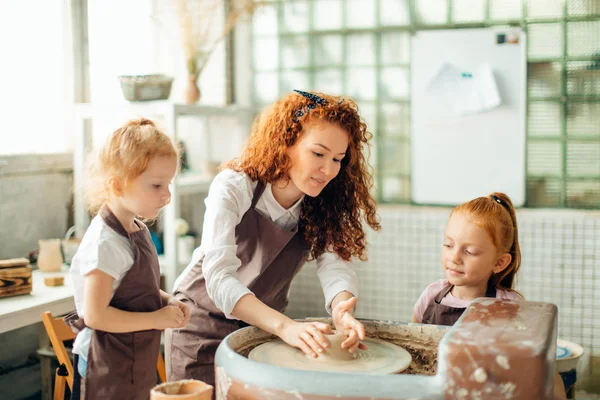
(59, 332)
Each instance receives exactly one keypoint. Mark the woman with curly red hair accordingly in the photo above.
(299, 191)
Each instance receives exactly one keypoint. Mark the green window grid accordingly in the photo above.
(325, 45)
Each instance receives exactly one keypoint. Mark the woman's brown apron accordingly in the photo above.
(271, 256)
(437, 313)
(123, 365)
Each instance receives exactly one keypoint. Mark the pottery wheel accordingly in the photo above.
(380, 358)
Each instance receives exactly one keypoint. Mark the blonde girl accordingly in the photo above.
(120, 307)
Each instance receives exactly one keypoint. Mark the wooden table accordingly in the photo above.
(19, 311)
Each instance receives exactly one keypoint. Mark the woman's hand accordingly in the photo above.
(347, 325)
(307, 336)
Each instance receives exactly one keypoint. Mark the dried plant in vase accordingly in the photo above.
(201, 34)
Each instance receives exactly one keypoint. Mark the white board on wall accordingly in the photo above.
(455, 155)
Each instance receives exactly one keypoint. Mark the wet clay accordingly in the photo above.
(380, 357)
(421, 341)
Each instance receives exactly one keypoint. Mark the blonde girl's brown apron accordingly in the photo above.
(437, 313)
(123, 365)
(271, 256)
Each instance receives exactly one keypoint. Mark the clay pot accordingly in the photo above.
(187, 389)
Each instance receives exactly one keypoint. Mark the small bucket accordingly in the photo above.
(567, 356)
(187, 389)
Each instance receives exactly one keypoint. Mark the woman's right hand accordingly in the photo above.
(168, 317)
(307, 336)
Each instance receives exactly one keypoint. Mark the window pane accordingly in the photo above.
(543, 192)
(33, 77)
(544, 158)
(395, 189)
(329, 81)
(328, 50)
(265, 87)
(583, 159)
(468, 10)
(395, 156)
(368, 112)
(360, 13)
(360, 50)
(395, 120)
(583, 193)
(395, 83)
(395, 48)
(583, 119)
(505, 9)
(266, 54)
(432, 11)
(295, 52)
(583, 38)
(543, 119)
(394, 12)
(583, 78)
(545, 40)
(295, 16)
(291, 80)
(544, 79)
(264, 21)
(327, 14)
(583, 7)
(544, 8)
(360, 83)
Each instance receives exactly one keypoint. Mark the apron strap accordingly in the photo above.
(438, 298)
(260, 189)
(491, 290)
(76, 390)
(111, 220)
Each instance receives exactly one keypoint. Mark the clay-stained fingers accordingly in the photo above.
(312, 342)
(317, 332)
(359, 328)
(351, 342)
(306, 349)
(325, 328)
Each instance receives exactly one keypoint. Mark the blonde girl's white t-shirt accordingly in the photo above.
(449, 300)
(101, 248)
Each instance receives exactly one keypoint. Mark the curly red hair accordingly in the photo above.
(332, 221)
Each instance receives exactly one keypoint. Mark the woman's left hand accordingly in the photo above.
(347, 325)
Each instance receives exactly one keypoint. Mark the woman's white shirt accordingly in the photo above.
(229, 197)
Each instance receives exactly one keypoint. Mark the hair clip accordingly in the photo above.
(315, 100)
(311, 96)
(501, 202)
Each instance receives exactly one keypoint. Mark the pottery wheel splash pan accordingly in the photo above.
(380, 358)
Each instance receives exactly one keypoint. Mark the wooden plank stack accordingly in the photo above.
(15, 277)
